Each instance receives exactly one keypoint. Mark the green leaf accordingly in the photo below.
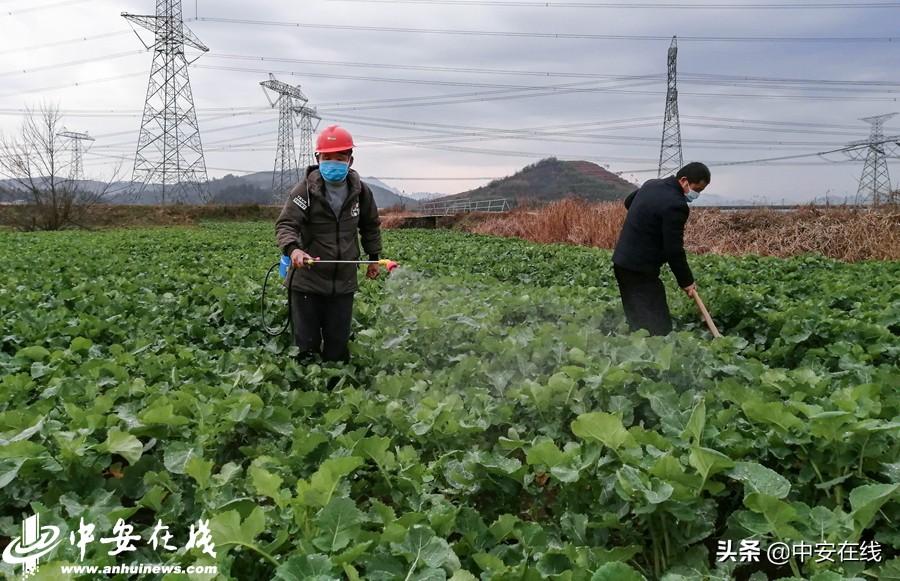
(422, 546)
(9, 469)
(601, 427)
(633, 482)
(315, 567)
(866, 500)
(80, 345)
(227, 529)
(321, 486)
(758, 478)
(771, 413)
(266, 483)
(376, 448)
(778, 513)
(199, 469)
(337, 524)
(177, 455)
(503, 526)
(708, 462)
(163, 415)
(352, 554)
(123, 444)
(34, 353)
(616, 571)
(545, 452)
(695, 425)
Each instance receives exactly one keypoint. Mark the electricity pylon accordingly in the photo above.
(76, 169)
(875, 181)
(309, 124)
(169, 151)
(286, 174)
(670, 158)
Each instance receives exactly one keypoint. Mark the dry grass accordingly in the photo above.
(104, 216)
(393, 218)
(570, 221)
(842, 233)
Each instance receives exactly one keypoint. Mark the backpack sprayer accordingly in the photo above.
(284, 266)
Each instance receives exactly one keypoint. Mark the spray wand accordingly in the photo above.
(388, 264)
(284, 266)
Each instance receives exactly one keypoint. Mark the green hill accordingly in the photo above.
(551, 179)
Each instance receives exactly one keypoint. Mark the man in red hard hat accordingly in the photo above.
(325, 216)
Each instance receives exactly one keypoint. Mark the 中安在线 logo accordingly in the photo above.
(36, 541)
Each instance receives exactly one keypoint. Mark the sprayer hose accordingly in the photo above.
(275, 331)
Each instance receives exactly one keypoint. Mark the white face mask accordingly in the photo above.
(691, 194)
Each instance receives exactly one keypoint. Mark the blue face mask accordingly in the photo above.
(692, 195)
(334, 171)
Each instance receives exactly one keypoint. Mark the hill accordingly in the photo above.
(255, 188)
(551, 179)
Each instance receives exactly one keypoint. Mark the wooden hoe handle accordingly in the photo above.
(709, 322)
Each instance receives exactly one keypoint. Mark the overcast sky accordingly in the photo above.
(392, 141)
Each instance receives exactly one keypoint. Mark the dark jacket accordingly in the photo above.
(308, 222)
(653, 233)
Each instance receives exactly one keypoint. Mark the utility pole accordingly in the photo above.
(670, 158)
(169, 151)
(286, 174)
(76, 169)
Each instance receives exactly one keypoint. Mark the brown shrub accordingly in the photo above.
(120, 215)
(571, 221)
(842, 233)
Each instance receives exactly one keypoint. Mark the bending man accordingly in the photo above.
(653, 235)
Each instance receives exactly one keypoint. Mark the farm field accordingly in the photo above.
(497, 421)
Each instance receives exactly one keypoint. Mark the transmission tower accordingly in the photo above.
(76, 169)
(169, 151)
(670, 159)
(875, 182)
(309, 124)
(286, 174)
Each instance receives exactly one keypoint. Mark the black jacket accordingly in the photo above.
(308, 222)
(653, 233)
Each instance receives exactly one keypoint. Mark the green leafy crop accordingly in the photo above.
(497, 420)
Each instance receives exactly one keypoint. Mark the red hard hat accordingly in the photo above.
(334, 138)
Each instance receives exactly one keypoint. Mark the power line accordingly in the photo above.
(638, 5)
(704, 77)
(781, 127)
(432, 68)
(64, 42)
(408, 81)
(70, 85)
(538, 88)
(72, 63)
(553, 35)
(453, 129)
(768, 122)
(45, 6)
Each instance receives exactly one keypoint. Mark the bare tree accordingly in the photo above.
(38, 162)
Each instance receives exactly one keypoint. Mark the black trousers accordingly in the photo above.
(322, 324)
(644, 300)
